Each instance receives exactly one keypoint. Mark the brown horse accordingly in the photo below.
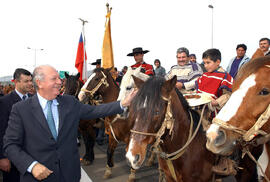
(244, 120)
(72, 87)
(162, 117)
(117, 127)
(155, 101)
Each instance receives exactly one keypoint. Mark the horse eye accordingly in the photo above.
(264, 91)
(128, 88)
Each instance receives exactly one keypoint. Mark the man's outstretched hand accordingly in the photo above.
(127, 100)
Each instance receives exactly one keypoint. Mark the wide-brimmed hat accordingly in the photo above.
(98, 61)
(137, 50)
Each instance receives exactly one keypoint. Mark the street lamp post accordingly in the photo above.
(35, 53)
(212, 26)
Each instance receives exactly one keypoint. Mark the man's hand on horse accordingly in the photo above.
(127, 100)
(40, 172)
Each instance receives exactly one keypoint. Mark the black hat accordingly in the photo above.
(137, 50)
(98, 61)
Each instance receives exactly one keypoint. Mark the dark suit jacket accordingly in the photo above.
(6, 103)
(28, 137)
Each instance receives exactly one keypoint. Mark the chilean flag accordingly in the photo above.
(80, 63)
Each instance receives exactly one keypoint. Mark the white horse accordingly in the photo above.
(127, 83)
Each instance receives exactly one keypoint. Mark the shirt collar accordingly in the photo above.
(20, 94)
(43, 101)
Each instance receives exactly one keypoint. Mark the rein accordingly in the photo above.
(97, 102)
(168, 123)
(253, 131)
(102, 81)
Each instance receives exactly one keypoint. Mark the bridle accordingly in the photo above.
(248, 135)
(103, 81)
(253, 131)
(168, 123)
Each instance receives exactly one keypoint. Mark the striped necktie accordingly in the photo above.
(50, 120)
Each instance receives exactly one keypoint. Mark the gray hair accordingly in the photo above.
(183, 49)
(38, 74)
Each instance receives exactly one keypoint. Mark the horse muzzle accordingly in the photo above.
(217, 142)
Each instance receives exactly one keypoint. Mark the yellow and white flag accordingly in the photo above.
(107, 49)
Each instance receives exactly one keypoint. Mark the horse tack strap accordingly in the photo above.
(143, 133)
(253, 131)
(228, 126)
(175, 155)
(102, 81)
(111, 128)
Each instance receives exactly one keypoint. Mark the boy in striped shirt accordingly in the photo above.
(216, 81)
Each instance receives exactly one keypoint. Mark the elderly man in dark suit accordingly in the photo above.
(41, 138)
(23, 84)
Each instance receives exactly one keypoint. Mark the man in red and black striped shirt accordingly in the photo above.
(138, 54)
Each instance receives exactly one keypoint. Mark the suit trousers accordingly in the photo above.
(12, 176)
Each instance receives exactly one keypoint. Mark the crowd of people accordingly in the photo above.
(38, 125)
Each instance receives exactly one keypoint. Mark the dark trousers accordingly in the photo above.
(12, 176)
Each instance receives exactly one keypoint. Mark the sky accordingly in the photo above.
(156, 25)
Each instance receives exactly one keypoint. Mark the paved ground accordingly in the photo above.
(121, 169)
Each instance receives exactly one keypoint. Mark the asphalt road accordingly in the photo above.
(121, 169)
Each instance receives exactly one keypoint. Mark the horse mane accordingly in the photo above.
(250, 68)
(151, 91)
(110, 75)
(195, 115)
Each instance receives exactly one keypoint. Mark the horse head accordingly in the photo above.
(72, 84)
(239, 121)
(147, 112)
(127, 82)
(97, 84)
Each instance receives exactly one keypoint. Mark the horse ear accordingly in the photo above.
(66, 75)
(169, 85)
(258, 53)
(78, 75)
(138, 82)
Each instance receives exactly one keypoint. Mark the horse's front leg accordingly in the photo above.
(164, 172)
(249, 171)
(88, 135)
(110, 151)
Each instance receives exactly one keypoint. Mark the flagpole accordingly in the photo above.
(84, 61)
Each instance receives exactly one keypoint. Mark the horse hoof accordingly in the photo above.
(131, 177)
(108, 172)
(85, 162)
